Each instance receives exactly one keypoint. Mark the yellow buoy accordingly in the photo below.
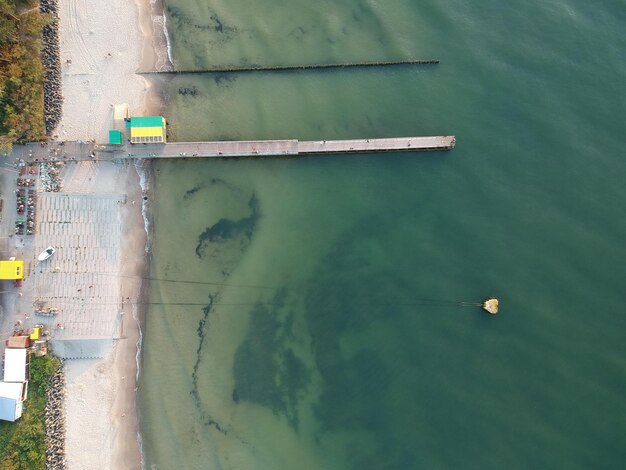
(491, 305)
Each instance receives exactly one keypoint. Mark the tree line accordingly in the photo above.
(21, 72)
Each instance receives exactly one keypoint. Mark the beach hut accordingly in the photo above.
(12, 269)
(16, 364)
(147, 130)
(12, 396)
(115, 137)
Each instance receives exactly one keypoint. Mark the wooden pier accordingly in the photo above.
(278, 148)
(406, 144)
(70, 151)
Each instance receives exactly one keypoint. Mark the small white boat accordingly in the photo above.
(45, 254)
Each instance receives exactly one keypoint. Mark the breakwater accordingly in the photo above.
(51, 60)
(55, 421)
(287, 68)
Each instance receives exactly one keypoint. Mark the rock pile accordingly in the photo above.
(50, 56)
(55, 422)
(50, 174)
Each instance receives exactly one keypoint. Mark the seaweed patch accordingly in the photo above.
(267, 371)
(188, 91)
(227, 229)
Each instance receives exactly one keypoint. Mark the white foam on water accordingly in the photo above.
(167, 40)
(144, 183)
(163, 48)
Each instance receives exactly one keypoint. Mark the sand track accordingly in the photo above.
(73, 14)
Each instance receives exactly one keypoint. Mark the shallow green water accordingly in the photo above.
(337, 342)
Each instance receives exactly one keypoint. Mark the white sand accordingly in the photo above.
(89, 400)
(106, 42)
(101, 394)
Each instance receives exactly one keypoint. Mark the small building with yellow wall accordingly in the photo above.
(147, 130)
(11, 269)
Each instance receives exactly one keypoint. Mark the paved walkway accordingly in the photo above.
(81, 277)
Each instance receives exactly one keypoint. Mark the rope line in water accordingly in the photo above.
(253, 286)
(245, 286)
(179, 281)
(249, 304)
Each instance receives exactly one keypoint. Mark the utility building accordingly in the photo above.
(115, 137)
(14, 388)
(147, 130)
(12, 396)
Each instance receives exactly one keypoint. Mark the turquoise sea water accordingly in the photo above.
(337, 341)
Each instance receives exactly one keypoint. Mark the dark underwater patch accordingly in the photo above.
(224, 80)
(188, 91)
(208, 183)
(267, 371)
(218, 26)
(356, 382)
(227, 229)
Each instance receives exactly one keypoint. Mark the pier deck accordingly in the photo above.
(246, 148)
(269, 148)
(405, 144)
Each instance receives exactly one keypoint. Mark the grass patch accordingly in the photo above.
(23, 443)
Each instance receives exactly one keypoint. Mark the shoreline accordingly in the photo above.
(98, 71)
(126, 446)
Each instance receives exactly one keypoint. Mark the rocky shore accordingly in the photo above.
(55, 422)
(51, 59)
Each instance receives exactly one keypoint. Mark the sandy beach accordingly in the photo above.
(100, 408)
(102, 45)
(96, 224)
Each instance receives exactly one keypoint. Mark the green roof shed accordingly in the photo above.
(147, 121)
(115, 137)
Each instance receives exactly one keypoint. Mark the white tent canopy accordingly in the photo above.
(15, 361)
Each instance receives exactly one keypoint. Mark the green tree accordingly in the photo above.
(21, 72)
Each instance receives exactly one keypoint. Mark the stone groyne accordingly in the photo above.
(51, 59)
(55, 422)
